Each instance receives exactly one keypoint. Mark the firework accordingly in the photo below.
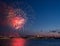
(16, 15)
(15, 20)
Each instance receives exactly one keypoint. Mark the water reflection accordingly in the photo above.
(18, 42)
(13, 42)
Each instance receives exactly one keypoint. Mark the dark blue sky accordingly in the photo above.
(47, 15)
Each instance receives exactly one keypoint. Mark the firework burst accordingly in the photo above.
(16, 15)
(15, 20)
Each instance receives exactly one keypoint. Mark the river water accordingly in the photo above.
(29, 42)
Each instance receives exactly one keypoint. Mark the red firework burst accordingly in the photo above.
(15, 21)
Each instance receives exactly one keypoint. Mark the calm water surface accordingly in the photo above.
(30, 42)
(44, 42)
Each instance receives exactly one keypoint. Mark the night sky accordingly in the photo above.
(47, 14)
(41, 15)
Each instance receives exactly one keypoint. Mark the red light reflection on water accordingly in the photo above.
(18, 42)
